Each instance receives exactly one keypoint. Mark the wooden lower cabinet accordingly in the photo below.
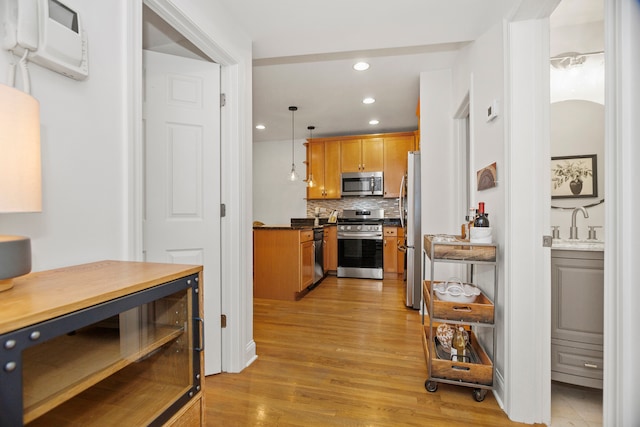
(393, 258)
(191, 415)
(103, 344)
(390, 244)
(283, 261)
(307, 263)
(330, 248)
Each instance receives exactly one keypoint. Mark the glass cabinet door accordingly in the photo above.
(130, 361)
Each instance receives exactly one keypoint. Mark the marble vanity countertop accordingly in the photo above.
(578, 245)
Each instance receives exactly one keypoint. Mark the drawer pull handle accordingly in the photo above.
(591, 365)
(460, 368)
(201, 334)
(463, 308)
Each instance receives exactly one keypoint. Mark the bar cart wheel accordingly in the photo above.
(431, 386)
(479, 394)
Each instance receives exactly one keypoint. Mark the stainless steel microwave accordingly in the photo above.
(362, 184)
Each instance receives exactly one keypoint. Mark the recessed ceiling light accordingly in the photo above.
(368, 100)
(361, 66)
(374, 122)
(261, 127)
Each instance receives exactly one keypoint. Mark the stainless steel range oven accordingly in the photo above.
(360, 244)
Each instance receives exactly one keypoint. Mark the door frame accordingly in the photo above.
(238, 347)
(528, 208)
(622, 131)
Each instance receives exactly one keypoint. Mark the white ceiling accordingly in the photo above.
(304, 51)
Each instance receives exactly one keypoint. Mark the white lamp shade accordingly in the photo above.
(20, 166)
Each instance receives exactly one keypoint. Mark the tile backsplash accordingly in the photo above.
(390, 206)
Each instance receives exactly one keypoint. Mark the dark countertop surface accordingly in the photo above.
(307, 224)
(392, 222)
(284, 227)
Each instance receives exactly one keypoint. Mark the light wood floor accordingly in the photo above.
(348, 354)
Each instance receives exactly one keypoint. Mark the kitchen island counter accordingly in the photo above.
(282, 227)
(283, 261)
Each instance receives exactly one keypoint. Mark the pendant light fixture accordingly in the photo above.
(310, 182)
(293, 175)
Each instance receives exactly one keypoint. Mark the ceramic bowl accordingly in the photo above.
(453, 290)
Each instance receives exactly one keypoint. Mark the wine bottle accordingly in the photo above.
(481, 220)
(458, 345)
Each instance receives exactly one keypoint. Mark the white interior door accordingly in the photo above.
(182, 180)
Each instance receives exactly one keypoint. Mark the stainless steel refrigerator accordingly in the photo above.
(410, 216)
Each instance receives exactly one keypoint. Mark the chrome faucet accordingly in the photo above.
(573, 231)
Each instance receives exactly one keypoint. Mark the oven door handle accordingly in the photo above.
(360, 236)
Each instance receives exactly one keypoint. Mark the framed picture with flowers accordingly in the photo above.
(574, 176)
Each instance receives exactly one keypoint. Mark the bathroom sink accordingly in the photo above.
(578, 244)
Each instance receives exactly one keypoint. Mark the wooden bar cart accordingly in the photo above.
(477, 369)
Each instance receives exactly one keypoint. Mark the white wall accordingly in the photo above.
(87, 155)
(84, 165)
(577, 116)
(577, 127)
(275, 198)
(480, 74)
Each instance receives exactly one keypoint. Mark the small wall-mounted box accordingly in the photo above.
(492, 110)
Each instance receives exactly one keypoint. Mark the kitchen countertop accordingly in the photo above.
(307, 224)
(284, 227)
(392, 222)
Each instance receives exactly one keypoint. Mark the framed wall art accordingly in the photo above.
(486, 177)
(574, 176)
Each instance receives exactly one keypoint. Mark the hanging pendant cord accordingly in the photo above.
(292, 139)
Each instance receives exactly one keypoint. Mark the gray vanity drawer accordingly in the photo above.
(576, 365)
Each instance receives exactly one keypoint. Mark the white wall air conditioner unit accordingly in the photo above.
(51, 31)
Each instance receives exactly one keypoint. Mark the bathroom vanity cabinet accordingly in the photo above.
(103, 344)
(577, 286)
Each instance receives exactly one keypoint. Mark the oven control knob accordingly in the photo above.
(359, 228)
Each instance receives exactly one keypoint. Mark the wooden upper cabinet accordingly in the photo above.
(395, 162)
(362, 155)
(315, 170)
(332, 181)
(372, 152)
(323, 167)
(351, 155)
(328, 158)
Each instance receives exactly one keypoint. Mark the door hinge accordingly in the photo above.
(223, 320)
(223, 99)
(223, 210)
